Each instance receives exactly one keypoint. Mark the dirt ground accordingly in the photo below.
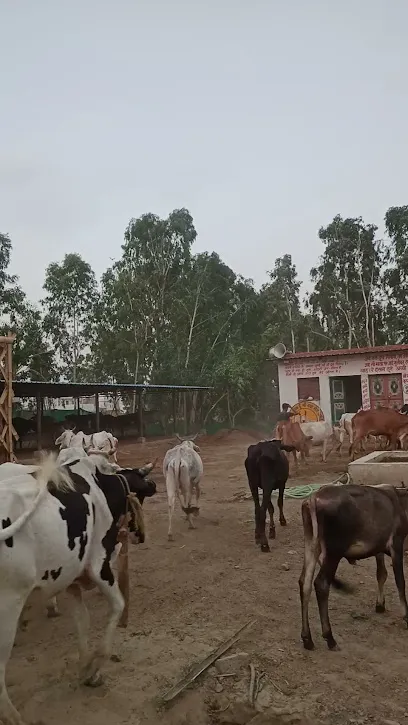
(189, 595)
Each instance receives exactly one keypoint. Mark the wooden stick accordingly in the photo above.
(123, 575)
(196, 670)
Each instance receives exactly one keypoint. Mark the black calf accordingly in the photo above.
(267, 469)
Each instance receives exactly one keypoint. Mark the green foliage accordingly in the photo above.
(164, 314)
(71, 295)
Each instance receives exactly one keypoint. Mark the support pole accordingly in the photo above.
(39, 414)
(140, 413)
(174, 402)
(97, 416)
(185, 413)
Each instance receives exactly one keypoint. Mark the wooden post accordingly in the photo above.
(39, 414)
(185, 413)
(97, 416)
(140, 413)
(7, 431)
(174, 401)
(123, 573)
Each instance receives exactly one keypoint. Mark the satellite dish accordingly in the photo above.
(278, 351)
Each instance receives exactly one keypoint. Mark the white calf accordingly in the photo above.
(183, 469)
(321, 433)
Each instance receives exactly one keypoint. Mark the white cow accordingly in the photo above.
(97, 442)
(58, 533)
(321, 433)
(183, 469)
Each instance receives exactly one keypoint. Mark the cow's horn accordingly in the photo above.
(147, 468)
(179, 438)
(96, 452)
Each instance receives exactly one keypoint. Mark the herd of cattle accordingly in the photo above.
(388, 426)
(63, 524)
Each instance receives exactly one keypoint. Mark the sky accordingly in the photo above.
(263, 118)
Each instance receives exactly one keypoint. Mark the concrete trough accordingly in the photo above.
(380, 467)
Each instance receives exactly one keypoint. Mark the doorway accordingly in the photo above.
(345, 396)
(386, 391)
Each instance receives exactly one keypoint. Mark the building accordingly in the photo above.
(342, 381)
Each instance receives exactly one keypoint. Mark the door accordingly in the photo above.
(386, 391)
(338, 398)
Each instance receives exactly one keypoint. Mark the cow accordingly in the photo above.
(23, 426)
(378, 422)
(354, 522)
(183, 470)
(267, 469)
(320, 433)
(59, 531)
(96, 442)
(291, 435)
(66, 456)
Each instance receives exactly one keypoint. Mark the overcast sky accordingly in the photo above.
(264, 118)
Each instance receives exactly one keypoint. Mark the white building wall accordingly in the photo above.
(324, 368)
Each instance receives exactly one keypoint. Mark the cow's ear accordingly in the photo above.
(196, 448)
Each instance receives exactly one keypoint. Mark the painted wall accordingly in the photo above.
(339, 366)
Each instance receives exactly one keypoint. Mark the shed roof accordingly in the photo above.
(28, 389)
(347, 351)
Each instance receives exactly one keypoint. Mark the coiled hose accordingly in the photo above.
(306, 491)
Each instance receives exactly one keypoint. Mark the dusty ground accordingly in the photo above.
(190, 595)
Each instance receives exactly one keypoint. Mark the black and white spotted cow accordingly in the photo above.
(59, 530)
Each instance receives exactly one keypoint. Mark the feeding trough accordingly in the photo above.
(380, 467)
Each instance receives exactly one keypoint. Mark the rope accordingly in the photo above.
(307, 490)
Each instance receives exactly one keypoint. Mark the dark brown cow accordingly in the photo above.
(378, 422)
(291, 434)
(354, 522)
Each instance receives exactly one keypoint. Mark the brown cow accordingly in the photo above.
(379, 422)
(291, 434)
(354, 522)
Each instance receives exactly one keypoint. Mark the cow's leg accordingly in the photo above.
(295, 461)
(91, 673)
(324, 446)
(282, 519)
(171, 499)
(11, 607)
(397, 558)
(81, 617)
(271, 511)
(52, 608)
(311, 555)
(255, 496)
(381, 579)
(266, 502)
(322, 588)
(197, 495)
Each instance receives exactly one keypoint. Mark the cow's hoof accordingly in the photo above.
(283, 522)
(272, 534)
(308, 643)
(95, 680)
(265, 547)
(332, 644)
(53, 613)
(170, 537)
(380, 608)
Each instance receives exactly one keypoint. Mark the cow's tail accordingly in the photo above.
(48, 474)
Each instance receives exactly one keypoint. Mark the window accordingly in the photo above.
(308, 388)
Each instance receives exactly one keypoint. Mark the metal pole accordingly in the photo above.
(97, 417)
(174, 401)
(39, 414)
(185, 413)
(140, 413)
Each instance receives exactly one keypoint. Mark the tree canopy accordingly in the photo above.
(165, 314)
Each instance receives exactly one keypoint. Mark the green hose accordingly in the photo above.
(306, 491)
